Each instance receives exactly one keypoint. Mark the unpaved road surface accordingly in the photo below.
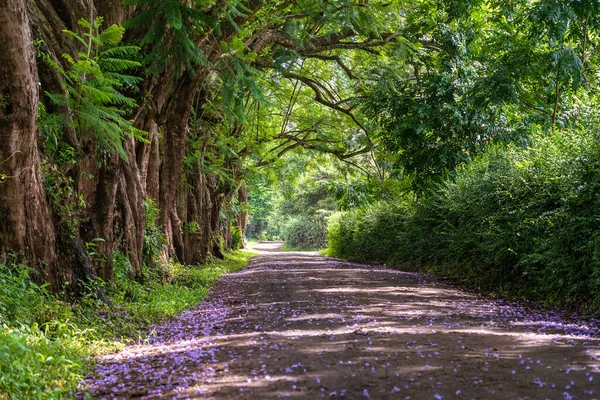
(304, 326)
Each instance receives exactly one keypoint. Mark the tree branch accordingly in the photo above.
(339, 62)
(320, 99)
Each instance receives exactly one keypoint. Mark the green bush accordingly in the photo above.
(236, 238)
(154, 238)
(41, 352)
(369, 233)
(304, 233)
(521, 222)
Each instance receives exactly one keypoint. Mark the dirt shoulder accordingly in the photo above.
(305, 326)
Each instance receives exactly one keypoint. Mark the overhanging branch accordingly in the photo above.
(319, 98)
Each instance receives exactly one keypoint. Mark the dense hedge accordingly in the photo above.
(521, 222)
(305, 233)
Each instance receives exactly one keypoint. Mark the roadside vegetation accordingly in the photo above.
(515, 222)
(47, 345)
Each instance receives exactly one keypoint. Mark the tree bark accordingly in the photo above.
(148, 159)
(27, 226)
(174, 147)
(199, 207)
(101, 213)
(215, 225)
(131, 201)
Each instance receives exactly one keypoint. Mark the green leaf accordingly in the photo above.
(237, 44)
(112, 35)
(173, 14)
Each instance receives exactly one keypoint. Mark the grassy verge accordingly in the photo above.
(48, 345)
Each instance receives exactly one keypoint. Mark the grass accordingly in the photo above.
(47, 346)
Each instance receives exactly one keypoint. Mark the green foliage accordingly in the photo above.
(95, 83)
(168, 289)
(264, 223)
(41, 351)
(236, 238)
(522, 222)
(47, 346)
(487, 72)
(239, 79)
(169, 28)
(34, 366)
(64, 199)
(51, 126)
(369, 232)
(154, 238)
(305, 233)
(22, 301)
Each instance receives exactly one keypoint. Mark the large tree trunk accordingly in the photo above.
(148, 159)
(205, 215)
(27, 226)
(197, 241)
(174, 148)
(215, 224)
(226, 227)
(100, 194)
(114, 192)
(131, 200)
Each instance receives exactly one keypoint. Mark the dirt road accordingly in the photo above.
(304, 326)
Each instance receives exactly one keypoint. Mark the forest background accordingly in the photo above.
(141, 140)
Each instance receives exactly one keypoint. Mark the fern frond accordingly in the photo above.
(154, 34)
(68, 58)
(124, 52)
(119, 99)
(93, 82)
(172, 13)
(125, 80)
(118, 64)
(86, 24)
(142, 19)
(58, 99)
(75, 36)
(112, 35)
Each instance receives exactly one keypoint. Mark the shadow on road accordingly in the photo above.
(305, 326)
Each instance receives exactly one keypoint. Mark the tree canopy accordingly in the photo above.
(142, 140)
(164, 118)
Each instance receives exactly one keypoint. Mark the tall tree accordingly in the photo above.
(26, 226)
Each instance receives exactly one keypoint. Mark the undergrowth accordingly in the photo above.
(305, 233)
(521, 223)
(48, 345)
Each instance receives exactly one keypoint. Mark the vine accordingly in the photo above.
(3, 177)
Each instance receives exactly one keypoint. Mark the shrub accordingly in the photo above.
(154, 238)
(304, 233)
(369, 233)
(236, 238)
(41, 353)
(523, 222)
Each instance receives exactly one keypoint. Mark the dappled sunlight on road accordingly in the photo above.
(296, 325)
